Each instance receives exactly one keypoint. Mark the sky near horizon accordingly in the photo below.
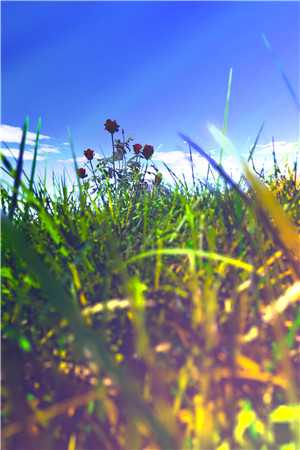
(156, 67)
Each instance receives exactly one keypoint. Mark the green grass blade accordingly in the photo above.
(226, 111)
(7, 165)
(217, 167)
(282, 72)
(192, 253)
(33, 167)
(275, 218)
(75, 162)
(256, 142)
(19, 169)
(86, 338)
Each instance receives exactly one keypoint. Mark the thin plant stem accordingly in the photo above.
(192, 164)
(113, 155)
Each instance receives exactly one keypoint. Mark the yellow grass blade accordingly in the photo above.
(192, 253)
(287, 232)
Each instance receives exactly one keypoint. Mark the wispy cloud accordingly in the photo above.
(79, 159)
(282, 148)
(13, 135)
(286, 154)
(48, 149)
(14, 152)
(179, 161)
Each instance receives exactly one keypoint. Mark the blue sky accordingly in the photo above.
(155, 67)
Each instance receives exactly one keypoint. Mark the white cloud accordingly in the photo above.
(48, 149)
(179, 162)
(14, 152)
(281, 146)
(285, 152)
(9, 133)
(79, 159)
(282, 149)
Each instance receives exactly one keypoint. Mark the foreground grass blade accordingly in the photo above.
(217, 167)
(192, 253)
(284, 234)
(75, 161)
(283, 74)
(7, 164)
(284, 231)
(66, 306)
(226, 111)
(39, 125)
(252, 150)
(19, 169)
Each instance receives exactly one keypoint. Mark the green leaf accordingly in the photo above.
(30, 397)
(91, 407)
(6, 272)
(24, 344)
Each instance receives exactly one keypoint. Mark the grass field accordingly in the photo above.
(161, 318)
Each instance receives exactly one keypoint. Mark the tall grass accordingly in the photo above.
(137, 319)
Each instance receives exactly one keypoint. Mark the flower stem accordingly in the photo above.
(145, 170)
(94, 175)
(114, 162)
(98, 187)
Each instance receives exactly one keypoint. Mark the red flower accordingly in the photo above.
(137, 148)
(81, 172)
(89, 154)
(111, 126)
(148, 151)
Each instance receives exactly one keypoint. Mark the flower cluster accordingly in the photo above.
(118, 166)
(147, 151)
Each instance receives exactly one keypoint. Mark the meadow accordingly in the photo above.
(141, 315)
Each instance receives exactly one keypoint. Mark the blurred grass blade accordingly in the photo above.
(192, 165)
(291, 295)
(224, 141)
(252, 150)
(281, 70)
(85, 338)
(217, 167)
(7, 165)
(75, 162)
(10, 151)
(136, 291)
(19, 169)
(173, 175)
(285, 234)
(286, 414)
(192, 253)
(226, 111)
(39, 125)
(284, 231)
(15, 159)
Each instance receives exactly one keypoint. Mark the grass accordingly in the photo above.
(144, 319)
